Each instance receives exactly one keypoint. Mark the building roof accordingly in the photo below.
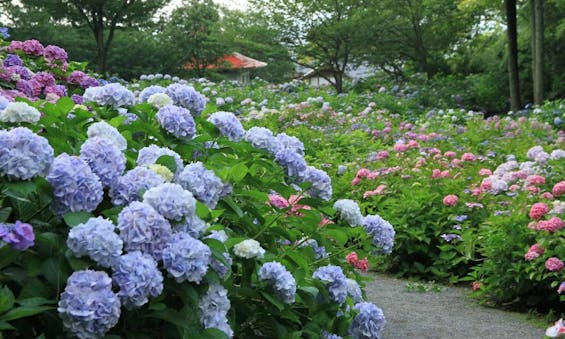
(233, 61)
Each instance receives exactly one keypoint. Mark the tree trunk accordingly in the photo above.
(513, 78)
(538, 51)
(101, 51)
(338, 81)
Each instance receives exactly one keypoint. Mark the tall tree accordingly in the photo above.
(512, 34)
(537, 25)
(102, 17)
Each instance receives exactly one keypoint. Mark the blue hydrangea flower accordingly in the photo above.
(192, 225)
(319, 251)
(88, 307)
(221, 268)
(137, 276)
(283, 281)
(228, 124)
(75, 187)
(214, 306)
(368, 323)
(171, 201)
(12, 60)
(186, 258)
(104, 158)
(149, 155)
(203, 183)
(335, 281)
(96, 239)
(284, 141)
(381, 231)
(321, 183)
(24, 154)
(106, 131)
(19, 236)
(349, 211)
(133, 184)
(292, 162)
(327, 335)
(354, 290)
(149, 91)
(187, 97)
(143, 229)
(114, 94)
(261, 138)
(3, 102)
(177, 121)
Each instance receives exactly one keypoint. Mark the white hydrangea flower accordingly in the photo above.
(106, 131)
(19, 112)
(350, 211)
(249, 249)
(160, 100)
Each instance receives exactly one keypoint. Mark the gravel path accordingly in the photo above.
(446, 314)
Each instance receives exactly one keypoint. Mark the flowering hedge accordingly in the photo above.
(141, 214)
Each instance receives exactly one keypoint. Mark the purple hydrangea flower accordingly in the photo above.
(214, 306)
(261, 138)
(106, 131)
(187, 97)
(143, 229)
(203, 183)
(44, 78)
(177, 121)
(284, 141)
(28, 88)
(321, 183)
(319, 251)
(58, 90)
(137, 276)
(113, 94)
(449, 237)
(131, 185)
(88, 307)
(354, 290)
(12, 60)
(368, 323)
(292, 162)
(96, 239)
(228, 124)
(75, 187)
(19, 236)
(23, 72)
(171, 201)
(149, 155)
(192, 225)
(284, 283)
(327, 335)
(54, 53)
(186, 258)
(24, 154)
(104, 158)
(32, 47)
(381, 231)
(82, 79)
(149, 91)
(335, 281)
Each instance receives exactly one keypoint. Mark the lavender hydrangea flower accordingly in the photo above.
(3, 102)
(327, 335)
(186, 258)
(228, 124)
(192, 225)
(203, 183)
(149, 155)
(96, 239)
(53, 53)
(88, 307)
(261, 138)
(292, 162)
(128, 187)
(171, 201)
(19, 236)
(12, 60)
(349, 211)
(354, 290)
(114, 94)
(19, 112)
(335, 281)
(321, 183)
(75, 187)
(104, 158)
(285, 141)
(149, 91)
(106, 131)
(214, 306)
(381, 231)
(24, 154)
(369, 322)
(177, 121)
(187, 97)
(319, 251)
(217, 265)
(284, 283)
(143, 229)
(137, 276)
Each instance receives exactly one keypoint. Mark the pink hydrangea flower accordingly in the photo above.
(554, 264)
(558, 189)
(551, 225)
(352, 258)
(413, 144)
(535, 180)
(363, 172)
(456, 162)
(363, 265)
(531, 256)
(277, 201)
(513, 188)
(450, 200)
(382, 155)
(477, 285)
(546, 195)
(355, 181)
(436, 173)
(450, 154)
(538, 210)
(32, 47)
(468, 157)
(485, 172)
(400, 147)
(533, 189)
(537, 248)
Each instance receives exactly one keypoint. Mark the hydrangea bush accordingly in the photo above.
(121, 215)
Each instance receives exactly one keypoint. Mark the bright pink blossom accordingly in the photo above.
(277, 201)
(559, 189)
(538, 210)
(450, 200)
(535, 180)
(537, 248)
(400, 147)
(363, 265)
(382, 155)
(533, 189)
(355, 181)
(531, 256)
(362, 173)
(554, 264)
(546, 195)
(468, 157)
(352, 258)
(450, 154)
(477, 285)
(551, 225)
(485, 172)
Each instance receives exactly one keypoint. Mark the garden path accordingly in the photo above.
(448, 314)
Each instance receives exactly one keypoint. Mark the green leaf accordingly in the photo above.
(213, 333)
(5, 213)
(238, 172)
(5, 326)
(75, 218)
(275, 302)
(229, 201)
(24, 311)
(167, 161)
(6, 299)
(65, 104)
(35, 301)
